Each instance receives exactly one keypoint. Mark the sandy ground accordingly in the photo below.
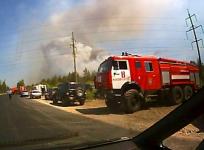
(141, 120)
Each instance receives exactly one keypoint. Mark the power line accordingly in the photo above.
(65, 35)
(193, 28)
(111, 49)
(21, 52)
(135, 40)
(72, 21)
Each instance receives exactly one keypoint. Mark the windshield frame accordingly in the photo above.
(105, 66)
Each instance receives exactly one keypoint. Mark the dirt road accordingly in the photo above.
(138, 121)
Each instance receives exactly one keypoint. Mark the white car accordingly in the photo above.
(24, 94)
(35, 94)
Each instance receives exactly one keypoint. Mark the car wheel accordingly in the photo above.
(64, 102)
(54, 101)
(81, 101)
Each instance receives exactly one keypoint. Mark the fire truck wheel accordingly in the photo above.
(111, 103)
(177, 95)
(188, 92)
(133, 101)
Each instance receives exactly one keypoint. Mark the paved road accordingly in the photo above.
(27, 122)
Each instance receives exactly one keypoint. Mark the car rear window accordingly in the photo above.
(73, 86)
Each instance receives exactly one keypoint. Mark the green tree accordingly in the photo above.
(1, 86)
(43, 81)
(4, 86)
(71, 77)
(20, 83)
(93, 74)
(86, 75)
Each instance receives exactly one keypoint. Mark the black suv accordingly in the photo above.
(50, 93)
(69, 92)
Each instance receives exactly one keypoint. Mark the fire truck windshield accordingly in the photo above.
(106, 66)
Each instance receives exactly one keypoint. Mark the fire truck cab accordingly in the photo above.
(128, 80)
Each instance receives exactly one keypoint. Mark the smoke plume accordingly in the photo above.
(92, 23)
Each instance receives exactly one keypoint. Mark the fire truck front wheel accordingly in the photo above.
(111, 103)
(177, 95)
(133, 101)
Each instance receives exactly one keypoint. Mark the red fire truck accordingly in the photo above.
(128, 80)
(18, 90)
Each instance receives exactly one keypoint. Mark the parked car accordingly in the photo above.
(35, 94)
(41, 87)
(24, 94)
(70, 92)
(50, 93)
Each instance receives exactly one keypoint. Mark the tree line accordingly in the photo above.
(86, 77)
(3, 86)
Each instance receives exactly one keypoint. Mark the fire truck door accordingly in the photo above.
(152, 75)
(120, 73)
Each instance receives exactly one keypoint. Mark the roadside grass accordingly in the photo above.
(90, 95)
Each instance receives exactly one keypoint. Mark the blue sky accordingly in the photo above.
(14, 16)
(35, 34)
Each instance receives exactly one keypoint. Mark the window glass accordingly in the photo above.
(138, 65)
(105, 66)
(148, 66)
(72, 86)
(119, 65)
(123, 65)
(115, 65)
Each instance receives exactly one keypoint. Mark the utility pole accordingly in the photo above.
(74, 56)
(196, 40)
